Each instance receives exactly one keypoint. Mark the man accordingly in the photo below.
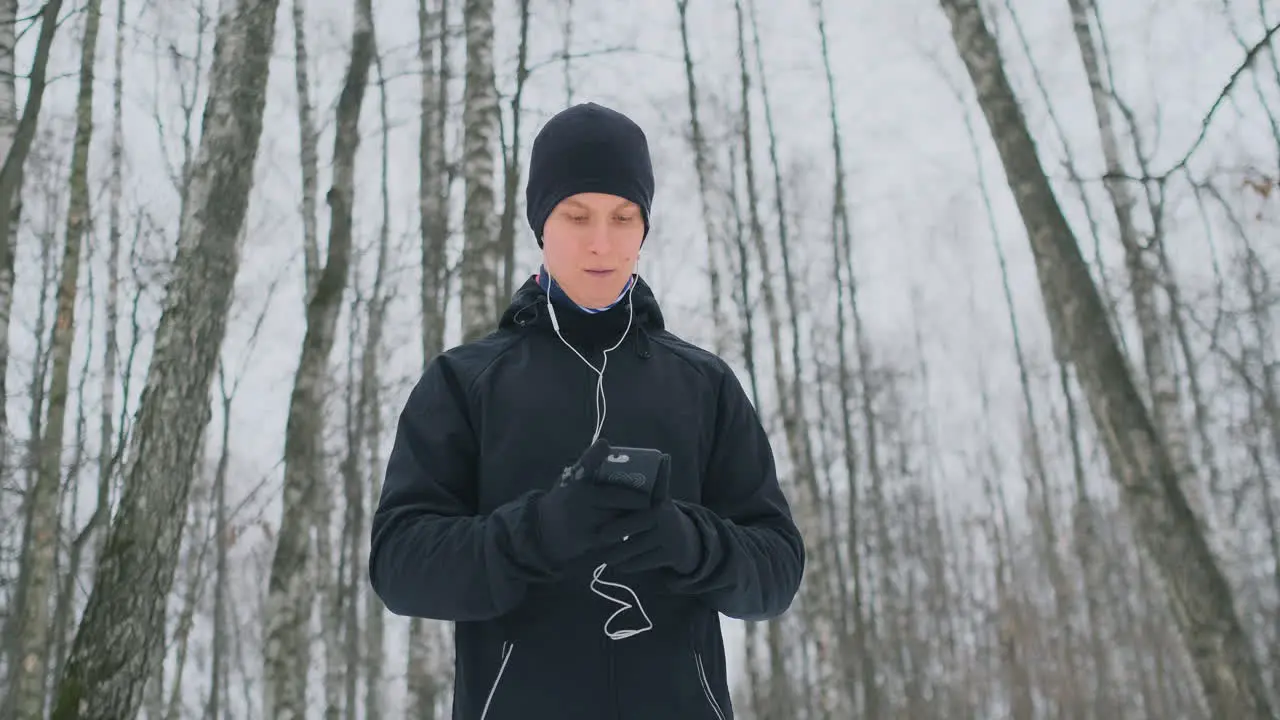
(573, 598)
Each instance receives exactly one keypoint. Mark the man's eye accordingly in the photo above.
(578, 218)
(624, 218)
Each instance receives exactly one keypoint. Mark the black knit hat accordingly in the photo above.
(588, 148)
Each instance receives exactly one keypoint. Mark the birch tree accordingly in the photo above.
(291, 590)
(32, 623)
(8, 243)
(480, 118)
(1160, 367)
(426, 637)
(703, 169)
(114, 651)
(434, 175)
(365, 460)
(1203, 603)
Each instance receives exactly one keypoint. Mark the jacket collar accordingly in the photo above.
(528, 308)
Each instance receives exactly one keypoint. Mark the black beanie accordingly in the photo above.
(588, 148)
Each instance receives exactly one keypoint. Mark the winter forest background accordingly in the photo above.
(999, 276)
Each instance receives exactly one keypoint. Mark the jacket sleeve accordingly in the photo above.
(431, 555)
(753, 555)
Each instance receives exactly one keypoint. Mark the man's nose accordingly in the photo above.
(598, 238)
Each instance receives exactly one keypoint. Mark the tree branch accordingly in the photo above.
(1208, 118)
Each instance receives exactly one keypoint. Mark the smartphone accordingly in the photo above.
(634, 468)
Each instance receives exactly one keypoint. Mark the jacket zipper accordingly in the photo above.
(706, 686)
(506, 655)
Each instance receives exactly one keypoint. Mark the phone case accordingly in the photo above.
(634, 468)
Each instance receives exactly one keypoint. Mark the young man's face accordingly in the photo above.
(590, 244)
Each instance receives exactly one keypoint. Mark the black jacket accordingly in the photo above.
(488, 427)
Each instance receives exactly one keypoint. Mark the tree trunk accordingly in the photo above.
(511, 164)
(860, 657)
(480, 116)
(1267, 423)
(1166, 414)
(309, 153)
(32, 624)
(291, 590)
(8, 243)
(107, 444)
(433, 185)
(433, 201)
(1202, 601)
(797, 428)
(817, 600)
(35, 390)
(218, 662)
(114, 649)
(702, 165)
(16, 137)
(566, 58)
(1038, 482)
(69, 574)
(1088, 546)
(197, 552)
(371, 427)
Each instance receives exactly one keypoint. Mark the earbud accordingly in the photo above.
(555, 322)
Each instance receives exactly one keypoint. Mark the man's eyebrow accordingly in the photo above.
(625, 205)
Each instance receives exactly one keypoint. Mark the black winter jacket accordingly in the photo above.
(488, 427)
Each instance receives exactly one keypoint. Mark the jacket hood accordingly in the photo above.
(528, 305)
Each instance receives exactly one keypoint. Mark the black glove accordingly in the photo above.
(663, 536)
(571, 514)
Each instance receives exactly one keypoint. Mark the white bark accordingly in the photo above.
(33, 626)
(294, 582)
(702, 166)
(480, 116)
(371, 432)
(424, 679)
(115, 648)
(1166, 412)
(433, 186)
(1202, 602)
(309, 154)
(8, 131)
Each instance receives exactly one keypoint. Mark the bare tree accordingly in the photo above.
(702, 166)
(433, 171)
(32, 623)
(366, 437)
(511, 163)
(16, 136)
(308, 155)
(8, 244)
(221, 533)
(1202, 601)
(114, 650)
(434, 180)
(1166, 412)
(860, 654)
(305, 493)
(480, 119)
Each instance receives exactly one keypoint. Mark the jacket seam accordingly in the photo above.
(502, 351)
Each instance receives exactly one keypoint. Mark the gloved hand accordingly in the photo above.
(571, 514)
(662, 536)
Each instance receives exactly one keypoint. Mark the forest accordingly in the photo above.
(996, 276)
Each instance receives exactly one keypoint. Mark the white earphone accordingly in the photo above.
(602, 410)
